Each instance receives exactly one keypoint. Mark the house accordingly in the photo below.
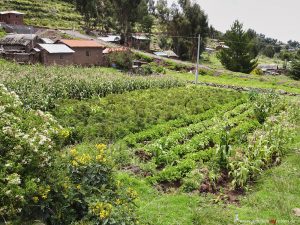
(19, 42)
(210, 50)
(87, 52)
(12, 17)
(111, 38)
(45, 41)
(221, 46)
(161, 54)
(140, 42)
(270, 69)
(168, 54)
(171, 54)
(56, 54)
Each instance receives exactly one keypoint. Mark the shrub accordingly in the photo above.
(143, 57)
(263, 105)
(257, 71)
(123, 60)
(40, 182)
(28, 142)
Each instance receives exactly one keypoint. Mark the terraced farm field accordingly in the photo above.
(52, 14)
(96, 146)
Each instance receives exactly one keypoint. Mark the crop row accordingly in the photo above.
(111, 118)
(181, 159)
(180, 167)
(181, 135)
(159, 130)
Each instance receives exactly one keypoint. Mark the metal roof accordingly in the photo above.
(11, 12)
(56, 48)
(110, 38)
(170, 53)
(47, 41)
(81, 43)
(163, 54)
(140, 37)
(18, 39)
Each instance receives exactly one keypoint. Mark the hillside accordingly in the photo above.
(52, 14)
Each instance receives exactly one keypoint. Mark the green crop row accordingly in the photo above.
(179, 136)
(116, 116)
(160, 130)
(40, 87)
(193, 150)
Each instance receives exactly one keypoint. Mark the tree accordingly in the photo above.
(128, 13)
(88, 9)
(269, 51)
(295, 70)
(184, 22)
(239, 57)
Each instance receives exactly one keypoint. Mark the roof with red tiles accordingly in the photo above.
(81, 43)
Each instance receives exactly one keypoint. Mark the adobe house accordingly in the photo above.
(87, 52)
(19, 42)
(140, 42)
(56, 54)
(12, 17)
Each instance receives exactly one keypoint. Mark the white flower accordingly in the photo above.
(14, 179)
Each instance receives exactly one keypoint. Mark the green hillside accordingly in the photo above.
(52, 14)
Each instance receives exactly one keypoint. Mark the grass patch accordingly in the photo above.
(281, 82)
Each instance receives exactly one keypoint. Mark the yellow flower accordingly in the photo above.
(74, 163)
(101, 147)
(78, 187)
(73, 152)
(100, 158)
(35, 199)
(118, 201)
(101, 209)
(65, 133)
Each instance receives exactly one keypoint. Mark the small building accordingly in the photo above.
(221, 46)
(210, 50)
(45, 41)
(270, 69)
(111, 38)
(87, 52)
(140, 42)
(171, 54)
(56, 54)
(161, 54)
(12, 17)
(167, 54)
(19, 42)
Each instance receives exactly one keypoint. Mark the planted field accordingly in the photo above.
(40, 87)
(141, 150)
(115, 116)
(52, 14)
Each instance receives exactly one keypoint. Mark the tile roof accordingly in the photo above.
(56, 48)
(81, 43)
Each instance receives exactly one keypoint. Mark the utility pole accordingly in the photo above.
(197, 65)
